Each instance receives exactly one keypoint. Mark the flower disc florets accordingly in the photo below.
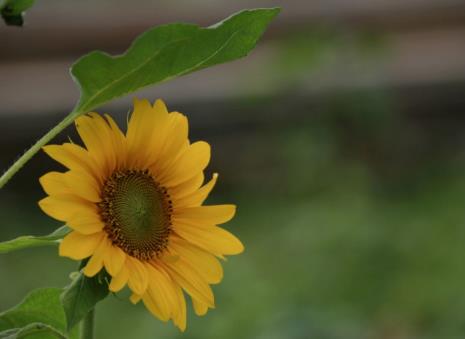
(136, 211)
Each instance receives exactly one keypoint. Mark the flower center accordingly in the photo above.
(136, 211)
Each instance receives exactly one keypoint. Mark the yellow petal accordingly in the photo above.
(201, 215)
(165, 284)
(103, 129)
(64, 207)
(159, 107)
(114, 259)
(140, 130)
(187, 187)
(119, 142)
(73, 157)
(213, 239)
(199, 308)
(179, 318)
(97, 142)
(191, 162)
(95, 264)
(54, 183)
(191, 281)
(153, 307)
(175, 142)
(197, 197)
(135, 298)
(138, 277)
(177, 138)
(160, 296)
(201, 261)
(83, 185)
(119, 281)
(79, 246)
(85, 222)
(145, 120)
(161, 130)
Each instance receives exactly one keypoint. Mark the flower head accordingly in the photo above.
(134, 204)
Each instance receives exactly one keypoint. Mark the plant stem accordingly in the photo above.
(87, 325)
(36, 147)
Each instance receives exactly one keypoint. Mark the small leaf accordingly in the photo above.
(40, 311)
(164, 53)
(12, 11)
(34, 241)
(81, 296)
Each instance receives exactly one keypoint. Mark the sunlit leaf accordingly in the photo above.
(12, 11)
(39, 315)
(34, 241)
(166, 52)
(81, 296)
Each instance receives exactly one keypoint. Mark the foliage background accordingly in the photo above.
(340, 138)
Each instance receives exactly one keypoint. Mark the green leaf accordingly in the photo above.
(12, 11)
(34, 330)
(82, 295)
(34, 241)
(39, 315)
(166, 52)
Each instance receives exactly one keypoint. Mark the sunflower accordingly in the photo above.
(134, 204)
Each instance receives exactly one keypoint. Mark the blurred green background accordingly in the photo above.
(340, 138)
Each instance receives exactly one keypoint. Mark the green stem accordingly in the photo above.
(36, 147)
(87, 325)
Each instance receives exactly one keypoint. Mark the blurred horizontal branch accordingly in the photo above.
(421, 41)
(75, 28)
(413, 58)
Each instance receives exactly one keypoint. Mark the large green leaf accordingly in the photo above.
(39, 315)
(12, 11)
(34, 241)
(82, 295)
(166, 52)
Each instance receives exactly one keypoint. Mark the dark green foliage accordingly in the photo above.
(12, 11)
(82, 295)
